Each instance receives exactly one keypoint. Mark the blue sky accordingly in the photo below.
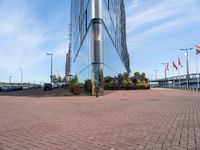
(156, 30)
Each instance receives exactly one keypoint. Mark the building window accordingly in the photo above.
(86, 20)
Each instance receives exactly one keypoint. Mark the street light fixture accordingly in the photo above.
(50, 54)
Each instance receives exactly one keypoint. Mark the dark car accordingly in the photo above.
(1, 89)
(6, 88)
(37, 86)
(19, 88)
(14, 88)
(47, 86)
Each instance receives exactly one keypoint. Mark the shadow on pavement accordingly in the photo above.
(41, 93)
(38, 93)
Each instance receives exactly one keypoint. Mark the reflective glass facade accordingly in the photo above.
(98, 40)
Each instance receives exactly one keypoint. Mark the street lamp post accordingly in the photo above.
(21, 70)
(50, 54)
(187, 64)
(10, 77)
(165, 64)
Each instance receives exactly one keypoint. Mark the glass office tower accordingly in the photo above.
(98, 40)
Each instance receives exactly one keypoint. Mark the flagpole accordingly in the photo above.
(187, 65)
(179, 76)
(197, 71)
(172, 76)
(169, 74)
(165, 64)
(179, 69)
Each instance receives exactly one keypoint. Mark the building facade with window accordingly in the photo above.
(98, 40)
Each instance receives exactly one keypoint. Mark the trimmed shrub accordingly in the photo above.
(142, 85)
(76, 90)
(74, 85)
(88, 86)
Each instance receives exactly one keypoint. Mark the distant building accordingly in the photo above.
(98, 40)
(67, 66)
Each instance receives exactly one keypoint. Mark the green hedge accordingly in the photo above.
(74, 86)
(76, 90)
(142, 85)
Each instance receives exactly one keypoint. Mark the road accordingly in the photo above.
(151, 119)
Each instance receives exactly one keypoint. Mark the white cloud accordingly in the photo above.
(159, 19)
(19, 38)
(24, 38)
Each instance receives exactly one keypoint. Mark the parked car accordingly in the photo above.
(37, 86)
(47, 86)
(20, 88)
(6, 88)
(55, 86)
(27, 87)
(63, 86)
(1, 89)
(14, 88)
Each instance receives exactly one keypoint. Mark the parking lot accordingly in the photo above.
(39, 92)
(151, 119)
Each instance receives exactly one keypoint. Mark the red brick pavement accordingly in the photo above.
(154, 119)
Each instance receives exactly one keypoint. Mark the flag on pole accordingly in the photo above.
(179, 62)
(197, 49)
(174, 65)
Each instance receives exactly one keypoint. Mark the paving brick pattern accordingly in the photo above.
(123, 120)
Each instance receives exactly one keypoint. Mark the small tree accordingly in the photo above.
(76, 90)
(137, 75)
(125, 75)
(59, 79)
(119, 81)
(124, 83)
(64, 79)
(54, 79)
(88, 86)
(143, 76)
(72, 83)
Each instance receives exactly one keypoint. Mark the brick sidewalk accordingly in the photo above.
(154, 119)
